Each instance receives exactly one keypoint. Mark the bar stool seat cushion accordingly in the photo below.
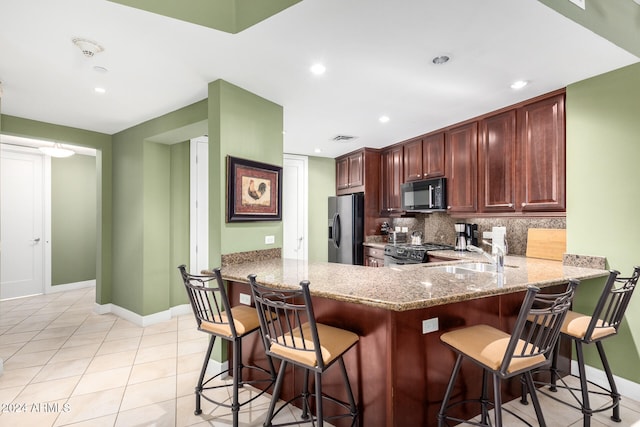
(576, 324)
(488, 345)
(245, 320)
(335, 342)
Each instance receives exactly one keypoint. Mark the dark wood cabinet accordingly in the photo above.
(424, 158)
(391, 174)
(541, 169)
(373, 257)
(350, 173)
(462, 168)
(433, 156)
(497, 163)
(362, 171)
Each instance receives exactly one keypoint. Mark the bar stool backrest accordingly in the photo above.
(288, 323)
(538, 326)
(612, 304)
(209, 301)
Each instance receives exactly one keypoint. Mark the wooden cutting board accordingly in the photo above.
(546, 243)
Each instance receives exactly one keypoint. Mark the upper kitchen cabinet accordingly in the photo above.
(462, 168)
(391, 174)
(497, 163)
(424, 158)
(350, 173)
(541, 167)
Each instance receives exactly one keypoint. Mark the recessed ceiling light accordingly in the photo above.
(519, 84)
(317, 150)
(99, 90)
(318, 69)
(384, 119)
(99, 69)
(439, 60)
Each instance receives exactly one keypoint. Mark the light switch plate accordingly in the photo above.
(269, 240)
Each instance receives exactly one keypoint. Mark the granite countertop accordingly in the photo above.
(409, 287)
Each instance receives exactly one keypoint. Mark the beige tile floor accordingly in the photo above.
(66, 366)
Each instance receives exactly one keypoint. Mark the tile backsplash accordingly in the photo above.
(438, 228)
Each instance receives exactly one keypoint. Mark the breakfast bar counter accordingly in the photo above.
(399, 368)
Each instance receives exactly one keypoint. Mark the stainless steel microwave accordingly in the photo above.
(424, 196)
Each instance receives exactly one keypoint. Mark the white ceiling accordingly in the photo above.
(377, 54)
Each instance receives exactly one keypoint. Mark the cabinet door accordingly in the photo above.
(413, 160)
(342, 173)
(542, 154)
(391, 179)
(496, 163)
(462, 168)
(356, 169)
(433, 156)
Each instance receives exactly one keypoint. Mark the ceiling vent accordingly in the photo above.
(88, 47)
(343, 138)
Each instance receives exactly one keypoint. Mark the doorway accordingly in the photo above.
(295, 243)
(22, 204)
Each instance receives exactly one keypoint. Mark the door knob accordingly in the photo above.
(36, 240)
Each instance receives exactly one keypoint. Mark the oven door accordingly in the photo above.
(390, 261)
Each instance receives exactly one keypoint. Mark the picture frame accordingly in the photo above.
(254, 191)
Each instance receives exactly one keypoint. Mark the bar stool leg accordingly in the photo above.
(319, 412)
(352, 400)
(276, 394)
(615, 396)
(528, 377)
(306, 411)
(497, 396)
(203, 371)
(447, 394)
(586, 408)
(484, 399)
(237, 379)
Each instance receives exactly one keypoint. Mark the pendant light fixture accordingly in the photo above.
(57, 151)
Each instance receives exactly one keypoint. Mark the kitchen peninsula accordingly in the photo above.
(400, 372)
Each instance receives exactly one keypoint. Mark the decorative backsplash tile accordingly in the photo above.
(438, 228)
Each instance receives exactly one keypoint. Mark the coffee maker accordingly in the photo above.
(461, 236)
(471, 234)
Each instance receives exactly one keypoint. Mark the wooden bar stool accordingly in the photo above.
(215, 316)
(291, 334)
(584, 329)
(504, 356)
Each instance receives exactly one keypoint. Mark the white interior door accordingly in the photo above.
(294, 207)
(22, 255)
(199, 216)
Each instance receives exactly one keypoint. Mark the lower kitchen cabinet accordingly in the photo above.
(373, 257)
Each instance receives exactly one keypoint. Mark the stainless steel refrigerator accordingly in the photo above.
(346, 229)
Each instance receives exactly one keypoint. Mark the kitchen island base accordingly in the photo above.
(400, 374)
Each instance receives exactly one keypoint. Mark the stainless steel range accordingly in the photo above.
(410, 254)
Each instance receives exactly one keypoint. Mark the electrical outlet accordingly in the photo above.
(269, 240)
(245, 299)
(430, 325)
(580, 3)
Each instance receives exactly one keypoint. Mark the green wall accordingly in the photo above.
(243, 125)
(322, 184)
(603, 194)
(73, 219)
(179, 244)
(145, 278)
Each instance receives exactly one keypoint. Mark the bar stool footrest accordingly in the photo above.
(310, 397)
(201, 392)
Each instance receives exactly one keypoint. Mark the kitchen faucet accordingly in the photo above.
(498, 261)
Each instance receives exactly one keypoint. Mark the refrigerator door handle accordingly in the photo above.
(336, 230)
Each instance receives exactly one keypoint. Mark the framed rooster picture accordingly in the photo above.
(254, 191)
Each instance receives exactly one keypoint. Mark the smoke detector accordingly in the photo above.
(88, 47)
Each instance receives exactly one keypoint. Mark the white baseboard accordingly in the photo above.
(137, 319)
(625, 387)
(70, 286)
